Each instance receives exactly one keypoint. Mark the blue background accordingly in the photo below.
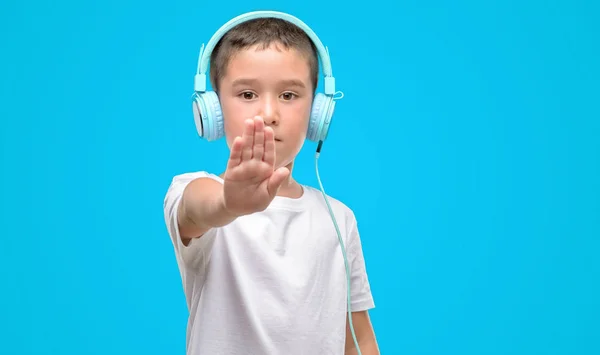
(468, 147)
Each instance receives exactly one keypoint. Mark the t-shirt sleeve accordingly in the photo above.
(360, 291)
(186, 255)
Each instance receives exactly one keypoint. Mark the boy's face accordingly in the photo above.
(273, 83)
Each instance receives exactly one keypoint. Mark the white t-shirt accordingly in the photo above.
(273, 282)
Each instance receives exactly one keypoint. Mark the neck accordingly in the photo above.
(290, 187)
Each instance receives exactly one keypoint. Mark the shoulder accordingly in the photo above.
(339, 208)
(185, 178)
(178, 184)
(180, 181)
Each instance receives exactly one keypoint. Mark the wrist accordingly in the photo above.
(227, 215)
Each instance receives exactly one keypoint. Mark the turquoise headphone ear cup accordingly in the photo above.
(208, 116)
(200, 115)
(216, 115)
(320, 117)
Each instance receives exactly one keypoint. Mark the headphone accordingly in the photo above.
(208, 115)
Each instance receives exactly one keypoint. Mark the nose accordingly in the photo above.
(270, 112)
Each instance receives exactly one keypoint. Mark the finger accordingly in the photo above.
(235, 157)
(276, 179)
(269, 154)
(259, 139)
(248, 136)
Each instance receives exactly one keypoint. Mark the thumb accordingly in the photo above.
(276, 179)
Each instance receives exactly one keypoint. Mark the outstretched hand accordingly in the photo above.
(251, 180)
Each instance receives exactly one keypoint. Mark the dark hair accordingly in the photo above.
(263, 32)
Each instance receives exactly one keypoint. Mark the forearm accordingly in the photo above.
(202, 208)
(367, 346)
(364, 334)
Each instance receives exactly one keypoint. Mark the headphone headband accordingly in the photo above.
(205, 52)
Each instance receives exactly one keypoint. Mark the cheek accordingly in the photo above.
(303, 117)
(233, 119)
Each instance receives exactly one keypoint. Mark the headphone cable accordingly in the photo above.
(341, 245)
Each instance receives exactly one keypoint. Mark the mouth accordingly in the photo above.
(277, 140)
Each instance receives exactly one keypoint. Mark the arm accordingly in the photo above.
(202, 207)
(250, 184)
(362, 299)
(364, 334)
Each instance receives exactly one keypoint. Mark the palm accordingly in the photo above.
(250, 181)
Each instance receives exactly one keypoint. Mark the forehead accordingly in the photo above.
(274, 62)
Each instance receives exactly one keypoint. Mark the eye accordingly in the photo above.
(288, 96)
(247, 95)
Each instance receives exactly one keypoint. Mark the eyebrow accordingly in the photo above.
(288, 82)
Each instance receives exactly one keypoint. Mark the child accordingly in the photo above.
(258, 254)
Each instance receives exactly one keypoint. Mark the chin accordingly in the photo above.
(287, 160)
